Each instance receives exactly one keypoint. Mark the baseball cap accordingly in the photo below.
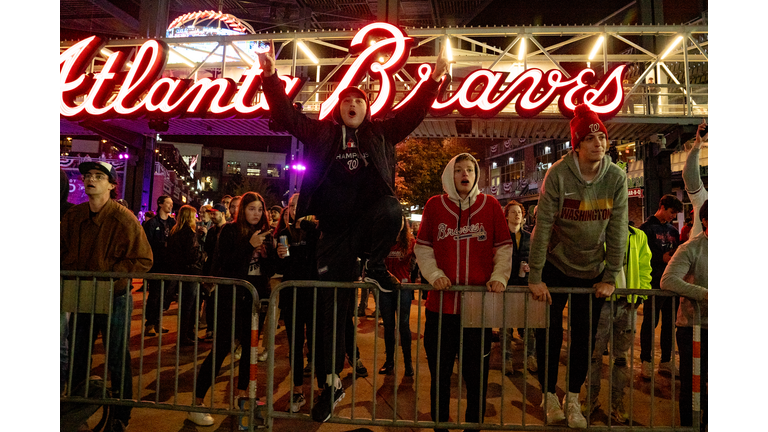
(100, 166)
(218, 208)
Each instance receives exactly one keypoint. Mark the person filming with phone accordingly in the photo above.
(240, 254)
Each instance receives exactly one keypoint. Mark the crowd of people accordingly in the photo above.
(346, 225)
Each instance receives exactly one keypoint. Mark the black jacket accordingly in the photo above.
(184, 253)
(662, 238)
(519, 253)
(322, 138)
(157, 237)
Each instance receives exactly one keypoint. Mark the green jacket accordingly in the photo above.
(637, 263)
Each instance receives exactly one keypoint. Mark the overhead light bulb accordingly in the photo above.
(597, 46)
(308, 53)
(675, 43)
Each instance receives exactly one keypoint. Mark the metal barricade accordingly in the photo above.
(514, 403)
(99, 302)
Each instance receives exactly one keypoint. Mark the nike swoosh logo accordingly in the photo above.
(569, 193)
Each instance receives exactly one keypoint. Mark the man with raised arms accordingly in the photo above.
(349, 186)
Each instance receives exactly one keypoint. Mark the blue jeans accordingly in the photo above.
(119, 361)
(388, 309)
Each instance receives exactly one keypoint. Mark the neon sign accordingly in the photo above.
(483, 93)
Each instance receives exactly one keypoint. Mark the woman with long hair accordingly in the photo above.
(521, 242)
(240, 254)
(400, 262)
(186, 258)
(296, 261)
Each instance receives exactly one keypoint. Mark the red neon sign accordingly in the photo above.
(484, 93)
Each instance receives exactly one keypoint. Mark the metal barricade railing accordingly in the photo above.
(384, 409)
(101, 301)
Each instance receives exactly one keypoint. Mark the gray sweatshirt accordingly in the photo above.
(579, 225)
(687, 275)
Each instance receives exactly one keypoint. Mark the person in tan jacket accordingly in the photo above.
(101, 235)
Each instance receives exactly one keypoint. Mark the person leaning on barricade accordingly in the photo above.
(296, 261)
(350, 172)
(687, 275)
(103, 236)
(617, 319)
(240, 254)
(578, 242)
(521, 242)
(400, 262)
(463, 240)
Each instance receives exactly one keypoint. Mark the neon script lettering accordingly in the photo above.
(483, 93)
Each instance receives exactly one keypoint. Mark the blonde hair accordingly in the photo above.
(186, 217)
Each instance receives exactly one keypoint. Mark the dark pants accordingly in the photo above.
(119, 362)
(189, 310)
(373, 233)
(352, 350)
(154, 290)
(223, 338)
(582, 334)
(685, 345)
(388, 307)
(664, 308)
(472, 351)
(300, 320)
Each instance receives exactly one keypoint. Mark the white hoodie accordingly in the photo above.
(425, 255)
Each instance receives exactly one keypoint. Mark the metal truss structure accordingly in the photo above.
(679, 63)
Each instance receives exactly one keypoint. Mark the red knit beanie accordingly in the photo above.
(583, 123)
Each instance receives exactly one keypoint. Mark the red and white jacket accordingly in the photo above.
(466, 241)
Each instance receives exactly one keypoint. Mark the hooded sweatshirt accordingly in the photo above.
(457, 238)
(581, 227)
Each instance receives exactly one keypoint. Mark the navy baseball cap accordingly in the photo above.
(218, 208)
(99, 166)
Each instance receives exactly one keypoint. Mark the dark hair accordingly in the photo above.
(161, 199)
(703, 212)
(246, 229)
(225, 197)
(670, 201)
(282, 224)
(511, 204)
(113, 191)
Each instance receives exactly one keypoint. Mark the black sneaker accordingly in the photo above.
(382, 278)
(361, 370)
(325, 404)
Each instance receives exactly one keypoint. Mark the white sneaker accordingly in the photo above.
(297, 401)
(576, 419)
(554, 411)
(669, 368)
(200, 419)
(533, 365)
(646, 371)
(263, 356)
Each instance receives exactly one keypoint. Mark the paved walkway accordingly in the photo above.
(412, 393)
